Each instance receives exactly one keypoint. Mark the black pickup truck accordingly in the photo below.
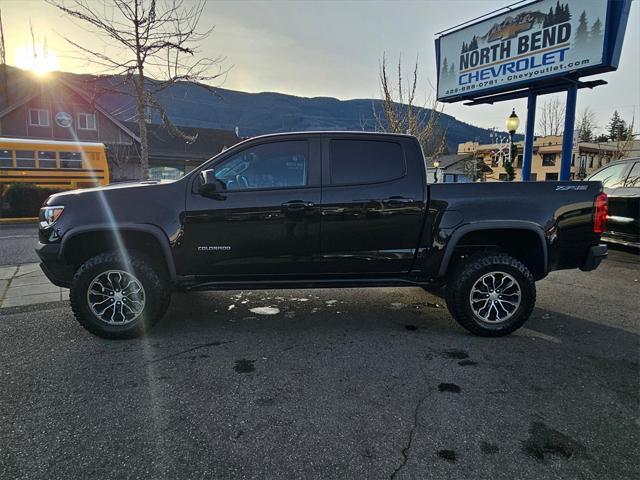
(321, 209)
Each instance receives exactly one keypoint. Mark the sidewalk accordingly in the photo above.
(22, 285)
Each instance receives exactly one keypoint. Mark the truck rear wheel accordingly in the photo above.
(114, 298)
(491, 295)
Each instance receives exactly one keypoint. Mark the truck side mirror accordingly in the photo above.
(210, 186)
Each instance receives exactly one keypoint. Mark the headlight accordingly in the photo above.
(49, 215)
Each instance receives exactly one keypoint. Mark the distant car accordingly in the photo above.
(621, 180)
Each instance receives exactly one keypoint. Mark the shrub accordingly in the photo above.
(24, 199)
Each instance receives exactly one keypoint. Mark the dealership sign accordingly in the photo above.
(530, 45)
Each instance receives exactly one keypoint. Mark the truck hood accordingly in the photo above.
(64, 197)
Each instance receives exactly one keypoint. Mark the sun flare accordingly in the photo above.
(39, 60)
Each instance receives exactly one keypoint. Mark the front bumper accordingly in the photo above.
(58, 272)
(596, 254)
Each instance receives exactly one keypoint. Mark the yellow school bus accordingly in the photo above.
(52, 163)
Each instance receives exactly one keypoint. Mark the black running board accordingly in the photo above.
(195, 285)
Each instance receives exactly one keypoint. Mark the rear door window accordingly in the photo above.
(633, 179)
(611, 177)
(365, 161)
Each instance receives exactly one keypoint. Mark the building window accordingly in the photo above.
(450, 178)
(6, 159)
(70, 160)
(46, 159)
(573, 160)
(533, 177)
(590, 161)
(550, 177)
(25, 159)
(519, 161)
(86, 121)
(503, 177)
(38, 117)
(548, 159)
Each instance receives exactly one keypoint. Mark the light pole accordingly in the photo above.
(436, 164)
(512, 125)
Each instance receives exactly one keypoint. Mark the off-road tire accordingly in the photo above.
(156, 286)
(464, 277)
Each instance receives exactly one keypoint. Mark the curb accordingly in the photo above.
(18, 220)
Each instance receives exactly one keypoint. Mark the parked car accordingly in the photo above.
(317, 210)
(621, 180)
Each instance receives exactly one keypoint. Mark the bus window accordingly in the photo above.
(25, 159)
(6, 159)
(46, 159)
(70, 160)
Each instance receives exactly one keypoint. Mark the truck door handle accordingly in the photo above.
(397, 200)
(297, 205)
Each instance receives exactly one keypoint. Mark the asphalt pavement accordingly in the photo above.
(17, 243)
(355, 383)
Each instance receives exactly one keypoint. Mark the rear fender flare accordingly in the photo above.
(459, 232)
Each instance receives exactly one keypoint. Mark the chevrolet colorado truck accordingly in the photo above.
(321, 209)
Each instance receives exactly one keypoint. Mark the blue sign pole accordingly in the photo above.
(528, 137)
(567, 140)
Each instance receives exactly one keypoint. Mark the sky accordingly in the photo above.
(332, 49)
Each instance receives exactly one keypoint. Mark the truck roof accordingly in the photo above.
(332, 132)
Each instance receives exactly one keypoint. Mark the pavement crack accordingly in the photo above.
(412, 431)
(197, 347)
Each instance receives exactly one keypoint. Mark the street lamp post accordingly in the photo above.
(512, 125)
(436, 165)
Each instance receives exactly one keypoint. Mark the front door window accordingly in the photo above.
(269, 166)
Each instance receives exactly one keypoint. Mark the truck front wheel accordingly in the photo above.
(491, 295)
(114, 297)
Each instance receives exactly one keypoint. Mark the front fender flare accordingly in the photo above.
(153, 230)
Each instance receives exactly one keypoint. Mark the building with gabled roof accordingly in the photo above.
(62, 107)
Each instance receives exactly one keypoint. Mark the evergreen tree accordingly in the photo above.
(617, 128)
(548, 18)
(452, 72)
(444, 72)
(558, 12)
(508, 164)
(582, 33)
(596, 32)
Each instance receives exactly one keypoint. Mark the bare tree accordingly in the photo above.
(119, 155)
(400, 114)
(4, 81)
(153, 37)
(586, 125)
(551, 117)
